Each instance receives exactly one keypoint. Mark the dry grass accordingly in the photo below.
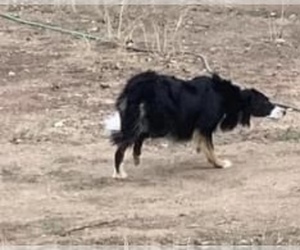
(277, 25)
(162, 38)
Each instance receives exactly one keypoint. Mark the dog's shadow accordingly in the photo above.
(154, 169)
(150, 172)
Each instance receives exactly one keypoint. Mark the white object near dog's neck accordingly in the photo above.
(277, 113)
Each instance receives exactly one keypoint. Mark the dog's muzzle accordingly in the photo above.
(277, 113)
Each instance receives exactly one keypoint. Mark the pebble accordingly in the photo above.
(59, 124)
(293, 17)
(11, 73)
(243, 242)
(280, 41)
(213, 49)
(94, 29)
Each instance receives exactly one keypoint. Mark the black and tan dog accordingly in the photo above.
(154, 105)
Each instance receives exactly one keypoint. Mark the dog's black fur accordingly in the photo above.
(153, 105)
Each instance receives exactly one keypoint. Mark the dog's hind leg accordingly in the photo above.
(206, 145)
(137, 149)
(119, 172)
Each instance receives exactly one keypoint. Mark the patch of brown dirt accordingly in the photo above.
(56, 165)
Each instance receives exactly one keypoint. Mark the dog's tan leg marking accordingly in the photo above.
(207, 148)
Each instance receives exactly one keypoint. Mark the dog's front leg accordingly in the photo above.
(205, 143)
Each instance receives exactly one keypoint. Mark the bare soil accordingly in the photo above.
(56, 163)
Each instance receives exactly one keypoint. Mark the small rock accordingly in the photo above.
(293, 17)
(117, 66)
(213, 49)
(190, 22)
(243, 242)
(273, 14)
(280, 41)
(55, 86)
(104, 86)
(185, 70)
(59, 124)
(129, 43)
(15, 140)
(94, 29)
(11, 73)
(247, 49)
(206, 243)
(85, 21)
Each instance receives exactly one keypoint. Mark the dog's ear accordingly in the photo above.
(246, 107)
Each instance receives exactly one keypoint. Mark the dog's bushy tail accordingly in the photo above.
(129, 121)
(120, 126)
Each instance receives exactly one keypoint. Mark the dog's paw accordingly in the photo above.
(121, 175)
(224, 164)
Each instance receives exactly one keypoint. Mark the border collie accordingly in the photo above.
(154, 105)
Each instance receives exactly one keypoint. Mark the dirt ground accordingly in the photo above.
(56, 163)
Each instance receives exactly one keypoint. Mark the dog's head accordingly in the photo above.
(258, 105)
